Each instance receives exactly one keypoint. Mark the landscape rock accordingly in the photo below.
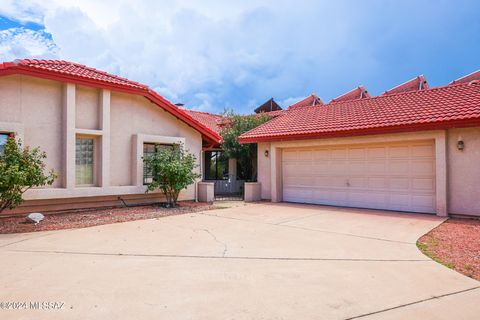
(35, 217)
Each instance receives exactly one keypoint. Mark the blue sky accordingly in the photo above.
(213, 55)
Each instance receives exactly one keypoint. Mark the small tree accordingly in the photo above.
(246, 154)
(172, 171)
(21, 169)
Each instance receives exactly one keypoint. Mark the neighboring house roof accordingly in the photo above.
(469, 77)
(430, 109)
(311, 100)
(208, 119)
(358, 93)
(417, 83)
(268, 106)
(65, 71)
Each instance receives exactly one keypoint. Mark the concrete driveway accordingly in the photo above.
(257, 261)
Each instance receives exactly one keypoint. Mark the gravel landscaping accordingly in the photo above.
(94, 217)
(455, 244)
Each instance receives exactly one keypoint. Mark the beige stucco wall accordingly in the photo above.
(264, 169)
(464, 172)
(33, 109)
(87, 108)
(132, 115)
(44, 113)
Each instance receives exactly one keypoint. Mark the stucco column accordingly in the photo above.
(68, 135)
(441, 174)
(104, 120)
(276, 174)
(232, 174)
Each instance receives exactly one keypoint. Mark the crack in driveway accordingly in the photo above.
(413, 303)
(308, 229)
(225, 248)
(218, 257)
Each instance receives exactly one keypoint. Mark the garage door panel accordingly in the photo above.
(356, 167)
(400, 199)
(358, 182)
(338, 181)
(338, 154)
(399, 184)
(424, 150)
(398, 167)
(377, 167)
(321, 167)
(356, 153)
(377, 183)
(426, 184)
(398, 176)
(323, 154)
(426, 167)
(323, 181)
(377, 153)
(289, 155)
(399, 152)
(338, 167)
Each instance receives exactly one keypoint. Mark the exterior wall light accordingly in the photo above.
(460, 145)
(266, 153)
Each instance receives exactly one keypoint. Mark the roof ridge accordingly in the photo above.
(33, 62)
(447, 86)
(204, 112)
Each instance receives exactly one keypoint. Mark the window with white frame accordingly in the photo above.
(84, 161)
(149, 149)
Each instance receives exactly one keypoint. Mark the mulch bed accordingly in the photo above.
(94, 217)
(456, 244)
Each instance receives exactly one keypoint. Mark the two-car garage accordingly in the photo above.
(392, 176)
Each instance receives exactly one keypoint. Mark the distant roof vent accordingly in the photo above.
(415, 84)
(468, 78)
(358, 93)
(311, 100)
(268, 106)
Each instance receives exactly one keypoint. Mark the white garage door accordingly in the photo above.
(396, 176)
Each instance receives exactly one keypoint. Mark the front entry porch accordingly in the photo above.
(222, 171)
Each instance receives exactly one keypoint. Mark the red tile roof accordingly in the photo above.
(78, 70)
(65, 71)
(311, 100)
(417, 83)
(208, 119)
(358, 93)
(437, 108)
(469, 77)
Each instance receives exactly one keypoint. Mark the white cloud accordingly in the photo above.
(24, 43)
(239, 52)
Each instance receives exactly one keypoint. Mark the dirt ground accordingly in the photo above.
(456, 244)
(93, 217)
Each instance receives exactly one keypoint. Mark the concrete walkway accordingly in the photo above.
(257, 261)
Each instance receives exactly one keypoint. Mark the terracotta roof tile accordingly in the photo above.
(407, 111)
(358, 93)
(78, 70)
(469, 77)
(65, 71)
(417, 83)
(208, 119)
(311, 100)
